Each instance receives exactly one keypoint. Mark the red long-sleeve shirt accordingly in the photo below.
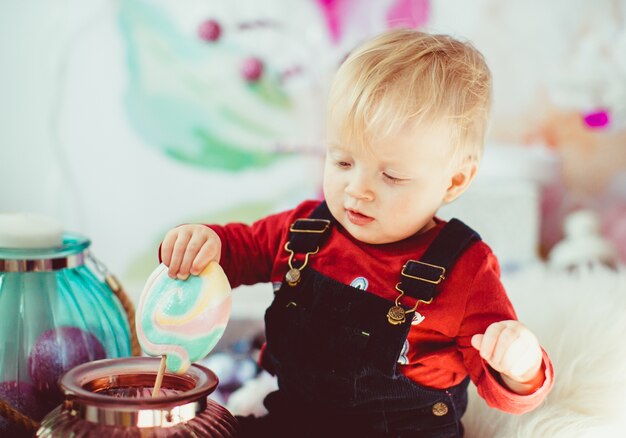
(438, 352)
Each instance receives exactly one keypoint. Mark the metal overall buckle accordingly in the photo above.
(294, 275)
(325, 223)
(396, 314)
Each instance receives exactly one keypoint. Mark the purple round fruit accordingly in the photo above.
(57, 351)
(22, 396)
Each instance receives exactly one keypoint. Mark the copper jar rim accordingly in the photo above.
(82, 383)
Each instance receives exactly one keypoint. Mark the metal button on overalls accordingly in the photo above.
(440, 409)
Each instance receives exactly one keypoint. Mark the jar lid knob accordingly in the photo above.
(29, 230)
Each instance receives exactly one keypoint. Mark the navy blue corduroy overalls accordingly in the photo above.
(334, 352)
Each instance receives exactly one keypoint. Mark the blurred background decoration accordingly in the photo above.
(124, 118)
(132, 116)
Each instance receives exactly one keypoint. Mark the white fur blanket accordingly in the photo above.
(580, 319)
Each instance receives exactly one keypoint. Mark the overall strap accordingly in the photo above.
(305, 237)
(307, 234)
(420, 278)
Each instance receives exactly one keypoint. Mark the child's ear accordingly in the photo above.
(461, 180)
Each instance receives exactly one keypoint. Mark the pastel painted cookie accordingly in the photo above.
(183, 319)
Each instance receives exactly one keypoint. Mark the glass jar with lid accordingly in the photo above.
(56, 312)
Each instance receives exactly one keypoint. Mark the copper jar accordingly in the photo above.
(112, 398)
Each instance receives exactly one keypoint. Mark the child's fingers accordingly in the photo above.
(489, 341)
(524, 357)
(193, 247)
(502, 353)
(476, 341)
(207, 253)
(516, 363)
(511, 349)
(167, 246)
(178, 253)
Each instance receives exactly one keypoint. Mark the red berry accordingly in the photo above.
(209, 30)
(252, 69)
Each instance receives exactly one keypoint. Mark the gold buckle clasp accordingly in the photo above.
(397, 314)
(326, 223)
(292, 254)
(442, 276)
(293, 276)
(418, 301)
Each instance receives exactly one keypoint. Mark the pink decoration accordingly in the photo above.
(408, 13)
(402, 13)
(252, 69)
(291, 72)
(258, 24)
(331, 11)
(597, 119)
(210, 30)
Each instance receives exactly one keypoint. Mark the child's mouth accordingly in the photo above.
(357, 218)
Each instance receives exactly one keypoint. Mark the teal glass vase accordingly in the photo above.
(55, 313)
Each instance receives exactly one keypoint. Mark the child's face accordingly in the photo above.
(391, 189)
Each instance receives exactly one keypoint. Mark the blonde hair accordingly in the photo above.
(404, 77)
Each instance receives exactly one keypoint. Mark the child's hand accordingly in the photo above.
(188, 249)
(513, 350)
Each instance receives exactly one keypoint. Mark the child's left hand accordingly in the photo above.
(513, 350)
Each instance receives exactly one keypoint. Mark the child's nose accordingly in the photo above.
(359, 189)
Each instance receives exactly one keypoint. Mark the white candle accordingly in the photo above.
(28, 230)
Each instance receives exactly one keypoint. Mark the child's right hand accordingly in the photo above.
(188, 249)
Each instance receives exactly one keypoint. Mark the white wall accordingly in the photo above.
(67, 148)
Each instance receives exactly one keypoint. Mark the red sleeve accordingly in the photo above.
(248, 251)
(488, 303)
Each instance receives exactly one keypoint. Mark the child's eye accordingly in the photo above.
(343, 164)
(393, 179)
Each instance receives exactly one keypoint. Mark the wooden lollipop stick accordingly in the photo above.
(159, 377)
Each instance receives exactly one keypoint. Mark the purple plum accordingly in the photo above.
(22, 396)
(57, 351)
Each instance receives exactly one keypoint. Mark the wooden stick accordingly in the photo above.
(159, 377)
